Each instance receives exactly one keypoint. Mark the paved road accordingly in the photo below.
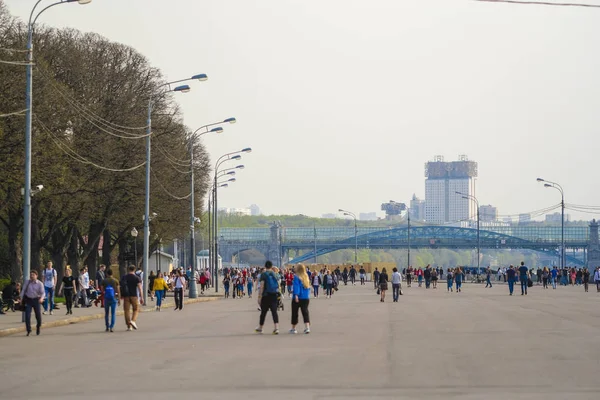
(479, 344)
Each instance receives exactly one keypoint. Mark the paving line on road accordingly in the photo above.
(84, 318)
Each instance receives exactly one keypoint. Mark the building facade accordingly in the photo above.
(417, 209)
(444, 179)
(488, 213)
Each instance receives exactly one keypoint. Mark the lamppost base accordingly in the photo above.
(193, 289)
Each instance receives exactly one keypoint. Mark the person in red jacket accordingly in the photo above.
(289, 281)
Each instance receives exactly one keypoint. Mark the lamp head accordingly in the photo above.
(134, 232)
(182, 89)
(231, 120)
(224, 185)
(547, 185)
(340, 210)
(237, 157)
(218, 129)
(200, 77)
(83, 2)
(465, 197)
(540, 180)
(231, 180)
(457, 192)
(240, 167)
(246, 150)
(230, 173)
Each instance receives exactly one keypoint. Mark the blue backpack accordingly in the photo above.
(272, 284)
(109, 293)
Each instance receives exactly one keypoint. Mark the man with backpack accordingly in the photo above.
(268, 297)
(112, 298)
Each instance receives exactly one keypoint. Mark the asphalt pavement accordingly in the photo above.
(478, 344)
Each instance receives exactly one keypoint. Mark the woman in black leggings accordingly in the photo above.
(68, 285)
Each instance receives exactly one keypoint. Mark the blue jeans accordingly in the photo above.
(553, 283)
(458, 284)
(523, 284)
(316, 290)
(488, 282)
(511, 286)
(112, 307)
(49, 298)
(449, 282)
(159, 296)
(250, 290)
(395, 291)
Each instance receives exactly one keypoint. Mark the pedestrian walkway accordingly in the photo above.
(10, 323)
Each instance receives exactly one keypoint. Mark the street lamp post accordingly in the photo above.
(196, 134)
(558, 187)
(182, 89)
(408, 234)
(235, 155)
(28, 113)
(471, 197)
(355, 234)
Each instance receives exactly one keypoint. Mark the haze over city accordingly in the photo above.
(344, 101)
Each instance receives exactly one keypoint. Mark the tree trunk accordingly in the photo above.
(73, 253)
(122, 243)
(106, 248)
(14, 248)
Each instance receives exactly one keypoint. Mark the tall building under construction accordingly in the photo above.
(444, 179)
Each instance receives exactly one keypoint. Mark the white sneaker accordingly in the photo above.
(44, 313)
(134, 325)
(306, 331)
(129, 328)
(293, 331)
(51, 313)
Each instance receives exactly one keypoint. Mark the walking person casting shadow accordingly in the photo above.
(300, 300)
(383, 283)
(267, 297)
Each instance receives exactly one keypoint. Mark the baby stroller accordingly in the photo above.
(280, 305)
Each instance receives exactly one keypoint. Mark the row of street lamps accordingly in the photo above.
(182, 87)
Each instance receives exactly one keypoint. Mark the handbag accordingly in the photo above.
(378, 291)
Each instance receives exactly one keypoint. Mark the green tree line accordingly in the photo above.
(89, 118)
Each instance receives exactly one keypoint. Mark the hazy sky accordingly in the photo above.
(344, 101)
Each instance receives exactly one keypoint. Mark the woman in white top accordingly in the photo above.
(396, 283)
(179, 284)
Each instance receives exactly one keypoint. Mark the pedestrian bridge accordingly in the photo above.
(277, 241)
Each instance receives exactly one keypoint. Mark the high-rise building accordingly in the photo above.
(444, 179)
(255, 210)
(417, 209)
(488, 213)
(329, 216)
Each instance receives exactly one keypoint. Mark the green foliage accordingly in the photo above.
(4, 282)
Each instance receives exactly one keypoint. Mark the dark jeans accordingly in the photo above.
(523, 285)
(179, 298)
(303, 305)
(110, 307)
(427, 283)
(69, 299)
(488, 282)
(35, 304)
(511, 286)
(395, 291)
(268, 302)
(328, 289)
(316, 290)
